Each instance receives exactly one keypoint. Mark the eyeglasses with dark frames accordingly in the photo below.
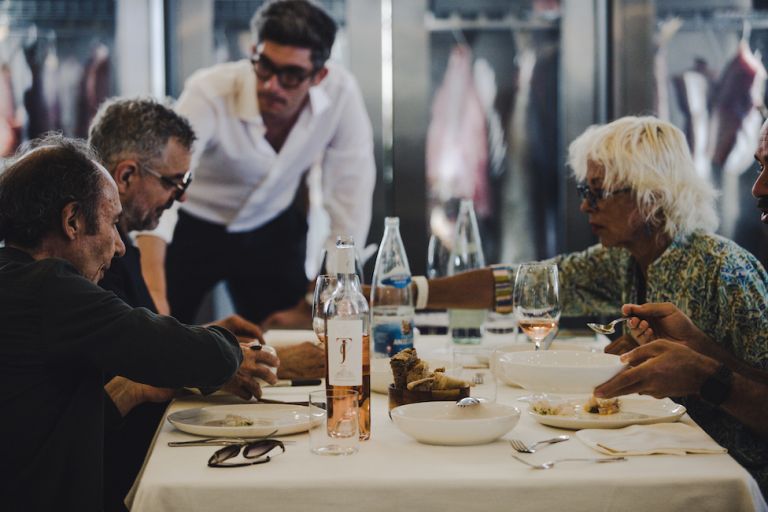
(257, 450)
(593, 196)
(180, 186)
(289, 77)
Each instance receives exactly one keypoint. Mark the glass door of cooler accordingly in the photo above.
(60, 59)
(485, 98)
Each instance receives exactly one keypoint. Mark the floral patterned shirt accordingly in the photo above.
(718, 284)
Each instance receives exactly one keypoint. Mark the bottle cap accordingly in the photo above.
(345, 255)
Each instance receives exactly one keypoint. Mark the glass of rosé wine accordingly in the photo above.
(537, 302)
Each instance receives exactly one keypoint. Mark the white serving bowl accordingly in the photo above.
(445, 423)
(500, 351)
(562, 371)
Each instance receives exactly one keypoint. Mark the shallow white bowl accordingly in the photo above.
(445, 423)
(563, 371)
(499, 352)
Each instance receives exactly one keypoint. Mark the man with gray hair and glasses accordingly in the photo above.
(146, 148)
(59, 211)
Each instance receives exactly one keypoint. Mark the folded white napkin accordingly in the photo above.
(668, 438)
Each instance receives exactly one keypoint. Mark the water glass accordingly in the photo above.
(333, 422)
(473, 364)
(325, 284)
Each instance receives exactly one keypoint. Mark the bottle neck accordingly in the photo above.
(348, 281)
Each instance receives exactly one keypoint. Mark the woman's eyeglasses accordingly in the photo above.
(257, 450)
(289, 77)
(593, 196)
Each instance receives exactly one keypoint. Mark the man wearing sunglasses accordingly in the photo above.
(262, 123)
(146, 148)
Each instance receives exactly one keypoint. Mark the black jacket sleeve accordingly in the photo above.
(89, 325)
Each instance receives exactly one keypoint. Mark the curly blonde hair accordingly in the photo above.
(651, 157)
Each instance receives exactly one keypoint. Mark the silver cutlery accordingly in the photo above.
(279, 402)
(608, 328)
(521, 447)
(211, 441)
(219, 441)
(469, 401)
(551, 463)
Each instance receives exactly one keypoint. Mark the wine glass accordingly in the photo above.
(537, 301)
(325, 284)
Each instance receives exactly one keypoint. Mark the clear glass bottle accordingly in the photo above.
(392, 307)
(347, 328)
(464, 325)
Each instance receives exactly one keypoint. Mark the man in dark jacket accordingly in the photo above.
(146, 148)
(59, 211)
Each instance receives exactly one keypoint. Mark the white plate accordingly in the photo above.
(266, 418)
(634, 411)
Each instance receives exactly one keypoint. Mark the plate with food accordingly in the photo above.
(591, 412)
(242, 420)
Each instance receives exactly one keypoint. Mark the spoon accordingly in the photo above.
(469, 401)
(608, 328)
(551, 463)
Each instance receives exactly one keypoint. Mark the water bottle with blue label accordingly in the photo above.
(392, 308)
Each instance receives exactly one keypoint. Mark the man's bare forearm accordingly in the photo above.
(125, 394)
(469, 290)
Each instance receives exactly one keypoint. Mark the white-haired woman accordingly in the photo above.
(654, 218)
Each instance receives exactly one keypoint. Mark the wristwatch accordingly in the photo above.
(717, 388)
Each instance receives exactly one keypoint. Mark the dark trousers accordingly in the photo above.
(263, 268)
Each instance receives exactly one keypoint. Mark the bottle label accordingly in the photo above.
(344, 346)
(392, 335)
(396, 280)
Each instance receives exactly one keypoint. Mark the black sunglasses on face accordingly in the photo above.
(593, 196)
(180, 186)
(289, 77)
(252, 450)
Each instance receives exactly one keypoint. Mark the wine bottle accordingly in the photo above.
(466, 254)
(347, 350)
(392, 308)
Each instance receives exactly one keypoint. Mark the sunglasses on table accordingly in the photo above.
(593, 196)
(256, 450)
(289, 77)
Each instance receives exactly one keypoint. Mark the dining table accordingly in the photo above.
(391, 471)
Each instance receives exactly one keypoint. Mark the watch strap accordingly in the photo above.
(717, 388)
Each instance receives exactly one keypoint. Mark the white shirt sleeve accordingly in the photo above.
(193, 105)
(349, 172)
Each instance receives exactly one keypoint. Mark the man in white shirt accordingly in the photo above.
(261, 124)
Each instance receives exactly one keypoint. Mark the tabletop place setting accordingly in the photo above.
(513, 412)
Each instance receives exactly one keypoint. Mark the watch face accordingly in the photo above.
(717, 387)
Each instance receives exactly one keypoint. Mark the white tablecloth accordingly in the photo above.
(393, 472)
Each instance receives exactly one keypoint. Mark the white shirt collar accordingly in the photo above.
(245, 105)
(318, 100)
